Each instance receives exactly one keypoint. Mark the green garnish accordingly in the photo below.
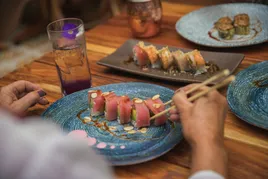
(133, 115)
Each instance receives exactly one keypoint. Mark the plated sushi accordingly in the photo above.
(140, 115)
(241, 24)
(227, 27)
(224, 20)
(125, 110)
(140, 56)
(226, 31)
(96, 102)
(155, 106)
(124, 107)
(165, 59)
(196, 62)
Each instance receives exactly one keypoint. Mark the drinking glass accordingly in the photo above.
(144, 17)
(69, 50)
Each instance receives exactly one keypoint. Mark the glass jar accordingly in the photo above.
(144, 17)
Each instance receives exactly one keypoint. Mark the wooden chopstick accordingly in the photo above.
(200, 94)
(224, 73)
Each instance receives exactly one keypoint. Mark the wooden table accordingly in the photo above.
(247, 145)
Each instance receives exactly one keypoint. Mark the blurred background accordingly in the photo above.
(23, 23)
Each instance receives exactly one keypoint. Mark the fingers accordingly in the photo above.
(173, 111)
(43, 101)
(181, 102)
(211, 95)
(29, 100)
(174, 117)
(20, 87)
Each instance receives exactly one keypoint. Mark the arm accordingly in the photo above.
(209, 156)
(203, 126)
(38, 149)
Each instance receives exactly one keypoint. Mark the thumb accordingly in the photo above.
(181, 102)
(27, 101)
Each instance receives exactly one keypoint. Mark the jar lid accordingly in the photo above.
(139, 0)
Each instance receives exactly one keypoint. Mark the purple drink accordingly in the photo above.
(73, 69)
(71, 87)
(69, 49)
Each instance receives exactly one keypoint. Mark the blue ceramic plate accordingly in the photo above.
(248, 95)
(197, 26)
(120, 147)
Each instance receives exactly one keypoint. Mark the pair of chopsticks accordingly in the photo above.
(221, 84)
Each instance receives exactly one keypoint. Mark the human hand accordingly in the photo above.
(203, 120)
(21, 95)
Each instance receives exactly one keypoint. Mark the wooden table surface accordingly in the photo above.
(247, 145)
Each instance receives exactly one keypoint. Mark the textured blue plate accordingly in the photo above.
(248, 95)
(120, 149)
(196, 25)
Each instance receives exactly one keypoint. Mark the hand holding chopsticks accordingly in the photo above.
(202, 93)
(224, 73)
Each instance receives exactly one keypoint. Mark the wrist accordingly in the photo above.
(209, 155)
(207, 143)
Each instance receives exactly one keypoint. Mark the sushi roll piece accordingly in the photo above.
(166, 58)
(223, 20)
(140, 56)
(110, 110)
(96, 102)
(241, 24)
(140, 115)
(124, 110)
(226, 31)
(156, 106)
(153, 56)
(197, 62)
(180, 60)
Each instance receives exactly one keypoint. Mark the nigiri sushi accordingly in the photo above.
(124, 110)
(156, 106)
(153, 56)
(139, 55)
(96, 102)
(196, 61)
(140, 115)
(180, 60)
(110, 110)
(166, 58)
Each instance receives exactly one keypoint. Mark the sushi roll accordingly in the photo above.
(241, 24)
(124, 110)
(140, 115)
(110, 110)
(180, 60)
(223, 20)
(226, 31)
(140, 56)
(196, 61)
(166, 58)
(153, 56)
(96, 102)
(156, 106)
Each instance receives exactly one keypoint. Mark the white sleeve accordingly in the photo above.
(38, 149)
(206, 174)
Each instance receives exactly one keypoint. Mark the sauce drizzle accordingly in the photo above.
(103, 126)
(261, 83)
